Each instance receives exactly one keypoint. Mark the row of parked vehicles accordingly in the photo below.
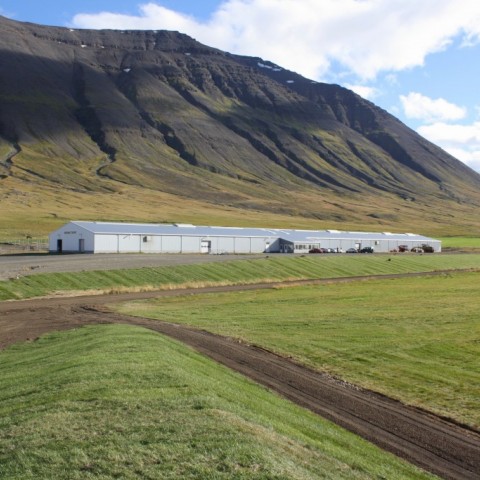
(401, 248)
(339, 250)
(423, 249)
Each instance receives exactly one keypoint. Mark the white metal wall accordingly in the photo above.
(171, 244)
(74, 237)
(190, 244)
(151, 244)
(71, 237)
(129, 243)
(258, 245)
(106, 243)
(243, 245)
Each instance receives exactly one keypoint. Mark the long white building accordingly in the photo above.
(104, 237)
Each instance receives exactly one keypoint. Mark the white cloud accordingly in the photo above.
(151, 17)
(363, 36)
(418, 106)
(461, 141)
(366, 92)
(459, 134)
(469, 157)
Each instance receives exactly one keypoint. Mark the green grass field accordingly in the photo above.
(472, 243)
(414, 339)
(117, 401)
(123, 402)
(274, 268)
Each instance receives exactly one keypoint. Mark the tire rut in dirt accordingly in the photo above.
(426, 440)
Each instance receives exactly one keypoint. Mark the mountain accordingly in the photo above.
(149, 115)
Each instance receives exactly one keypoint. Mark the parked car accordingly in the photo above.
(366, 250)
(351, 250)
(427, 248)
(417, 250)
(403, 248)
(315, 250)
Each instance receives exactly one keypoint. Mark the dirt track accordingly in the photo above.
(439, 446)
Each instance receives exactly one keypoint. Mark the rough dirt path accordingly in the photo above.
(437, 445)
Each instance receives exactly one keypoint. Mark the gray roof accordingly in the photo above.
(206, 231)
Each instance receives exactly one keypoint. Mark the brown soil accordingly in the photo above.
(435, 444)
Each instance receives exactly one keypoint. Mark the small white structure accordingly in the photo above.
(104, 237)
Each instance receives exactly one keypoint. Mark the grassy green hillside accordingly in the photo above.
(122, 402)
(414, 339)
(152, 125)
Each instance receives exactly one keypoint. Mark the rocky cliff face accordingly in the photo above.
(88, 109)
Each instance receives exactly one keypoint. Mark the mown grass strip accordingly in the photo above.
(234, 272)
(414, 339)
(123, 402)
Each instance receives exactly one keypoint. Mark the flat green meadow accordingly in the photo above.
(117, 401)
(465, 243)
(414, 339)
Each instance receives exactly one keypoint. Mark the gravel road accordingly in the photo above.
(12, 266)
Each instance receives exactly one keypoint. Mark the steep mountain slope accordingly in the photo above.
(108, 111)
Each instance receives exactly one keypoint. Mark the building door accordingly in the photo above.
(358, 246)
(59, 245)
(81, 245)
(205, 246)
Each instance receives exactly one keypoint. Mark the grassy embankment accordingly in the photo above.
(273, 268)
(124, 402)
(414, 339)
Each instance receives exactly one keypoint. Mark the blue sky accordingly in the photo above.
(419, 60)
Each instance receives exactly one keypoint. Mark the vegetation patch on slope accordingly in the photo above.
(124, 402)
(414, 339)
